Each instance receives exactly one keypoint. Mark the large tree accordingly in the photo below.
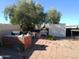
(27, 15)
(53, 16)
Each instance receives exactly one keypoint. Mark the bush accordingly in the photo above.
(50, 37)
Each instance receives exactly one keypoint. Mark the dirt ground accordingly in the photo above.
(46, 49)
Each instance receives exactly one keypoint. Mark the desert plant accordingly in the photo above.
(50, 37)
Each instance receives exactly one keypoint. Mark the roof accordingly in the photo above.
(73, 26)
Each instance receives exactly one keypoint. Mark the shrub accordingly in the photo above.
(50, 37)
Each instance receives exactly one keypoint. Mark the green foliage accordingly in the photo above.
(25, 14)
(50, 37)
(53, 16)
(28, 14)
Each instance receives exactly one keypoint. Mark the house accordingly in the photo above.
(58, 30)
(61, 30)
(72, 30)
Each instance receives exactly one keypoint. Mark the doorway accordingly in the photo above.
(75, 33)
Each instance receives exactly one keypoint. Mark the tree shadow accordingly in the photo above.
(25, 54)
(35, 47)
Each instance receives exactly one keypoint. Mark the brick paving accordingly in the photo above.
(46, 49)
(60, 49)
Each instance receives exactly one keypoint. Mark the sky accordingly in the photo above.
(68, 8)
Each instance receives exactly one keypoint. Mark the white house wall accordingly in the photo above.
(57, 30)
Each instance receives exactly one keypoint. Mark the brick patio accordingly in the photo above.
(46, 49)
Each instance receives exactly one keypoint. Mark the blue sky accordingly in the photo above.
(68, 8)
